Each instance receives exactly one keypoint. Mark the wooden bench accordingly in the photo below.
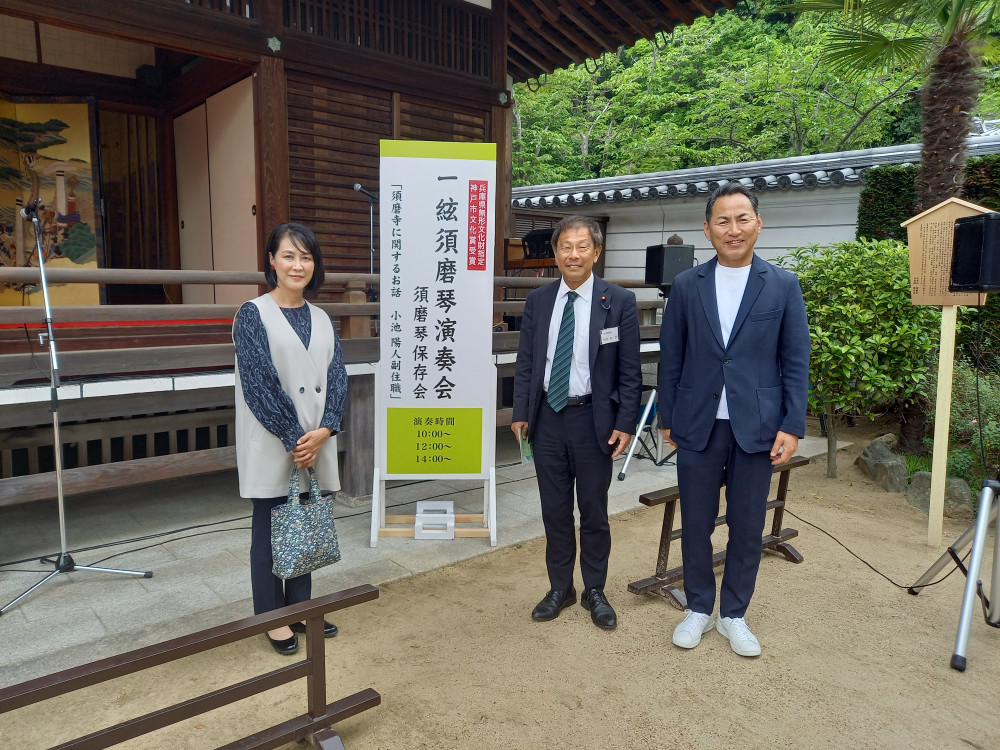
(661, 581)
(316, 722)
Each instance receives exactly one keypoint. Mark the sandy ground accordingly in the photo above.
(849, 661)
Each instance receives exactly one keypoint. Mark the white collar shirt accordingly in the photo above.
(579, 373)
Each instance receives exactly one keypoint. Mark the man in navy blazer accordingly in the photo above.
(733, 385)
(580, 410)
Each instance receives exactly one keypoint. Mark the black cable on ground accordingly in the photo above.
(868, 564)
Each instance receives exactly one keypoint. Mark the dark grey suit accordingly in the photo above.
(765, 371)
(571, 447)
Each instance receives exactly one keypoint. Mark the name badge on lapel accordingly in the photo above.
(609, 335)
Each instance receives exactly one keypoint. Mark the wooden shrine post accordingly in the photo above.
(930, 236)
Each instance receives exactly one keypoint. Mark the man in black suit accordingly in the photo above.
(734, 380)
(576, 392)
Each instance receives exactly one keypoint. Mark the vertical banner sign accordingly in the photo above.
(436, 389)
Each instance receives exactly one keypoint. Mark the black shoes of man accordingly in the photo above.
(594, 600)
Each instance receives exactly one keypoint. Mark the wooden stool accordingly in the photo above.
(660, 582)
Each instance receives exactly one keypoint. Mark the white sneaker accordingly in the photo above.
(740, 638)
(693, 626)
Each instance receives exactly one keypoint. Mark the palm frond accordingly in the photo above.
(854, 54)
(989, 49)
(867, 14)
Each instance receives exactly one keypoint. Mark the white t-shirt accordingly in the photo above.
(730, 283)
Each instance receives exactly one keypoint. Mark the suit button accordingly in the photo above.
(726, 361)
(715, 395)
(302, 390)
(318, 389)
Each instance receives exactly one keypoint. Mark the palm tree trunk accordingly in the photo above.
(949, 96)
(913, 426)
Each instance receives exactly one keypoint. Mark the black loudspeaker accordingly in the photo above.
(538, 244)
(975, 255)
(663, 262)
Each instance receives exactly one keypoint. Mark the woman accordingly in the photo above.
(291, 385)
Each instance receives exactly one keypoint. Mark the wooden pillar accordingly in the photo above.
(168, 203)
(359, 411)
(359, 426)
(271, 126)
(501, 124)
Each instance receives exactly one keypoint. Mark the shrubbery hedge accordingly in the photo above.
(889, 198)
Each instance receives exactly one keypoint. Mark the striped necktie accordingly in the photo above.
(563, 359)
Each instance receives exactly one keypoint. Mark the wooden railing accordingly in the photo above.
(172, 339)
(319, 715)
(100, 358)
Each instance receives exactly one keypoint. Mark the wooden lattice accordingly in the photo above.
(449, 35)
(237, 8)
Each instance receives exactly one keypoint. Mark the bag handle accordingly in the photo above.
(293, 486)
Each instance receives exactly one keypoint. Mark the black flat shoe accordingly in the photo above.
(600, 611)
(287, 647)
(329, 629)
(554, 602)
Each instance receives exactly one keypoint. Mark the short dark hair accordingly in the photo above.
(578, 222)
(730, 188)
(304, 239)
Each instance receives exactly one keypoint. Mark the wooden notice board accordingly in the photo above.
(930, 236)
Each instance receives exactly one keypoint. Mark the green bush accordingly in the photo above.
(915, 463)
(889, 197)
(977, 338)
(887, 200)
(965, 457)
(871, 347)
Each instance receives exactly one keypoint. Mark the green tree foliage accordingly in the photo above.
(724, 90)
(871, 347)
(949, 39)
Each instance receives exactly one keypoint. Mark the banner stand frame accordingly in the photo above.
(402, 526)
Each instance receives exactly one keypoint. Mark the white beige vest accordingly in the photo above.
(263, 463)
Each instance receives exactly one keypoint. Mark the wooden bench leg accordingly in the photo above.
(666, 531)
(790, 553)
(676, 596)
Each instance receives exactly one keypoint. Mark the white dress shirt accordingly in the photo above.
(730, 284)
(579, 371)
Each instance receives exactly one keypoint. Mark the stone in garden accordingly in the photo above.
(891, 474)
(885, 467)
(889, 439)
(958, 499)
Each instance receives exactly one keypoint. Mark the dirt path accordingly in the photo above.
(848, 660)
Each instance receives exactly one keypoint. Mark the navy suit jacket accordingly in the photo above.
(615, 369)
(765, 367)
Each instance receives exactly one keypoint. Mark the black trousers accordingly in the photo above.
(567, 454)
(269, 591)
(748, 481)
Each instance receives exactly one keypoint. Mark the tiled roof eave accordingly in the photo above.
(819, 170)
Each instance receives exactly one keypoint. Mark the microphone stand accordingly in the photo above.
(371, 245)
(63, 563)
